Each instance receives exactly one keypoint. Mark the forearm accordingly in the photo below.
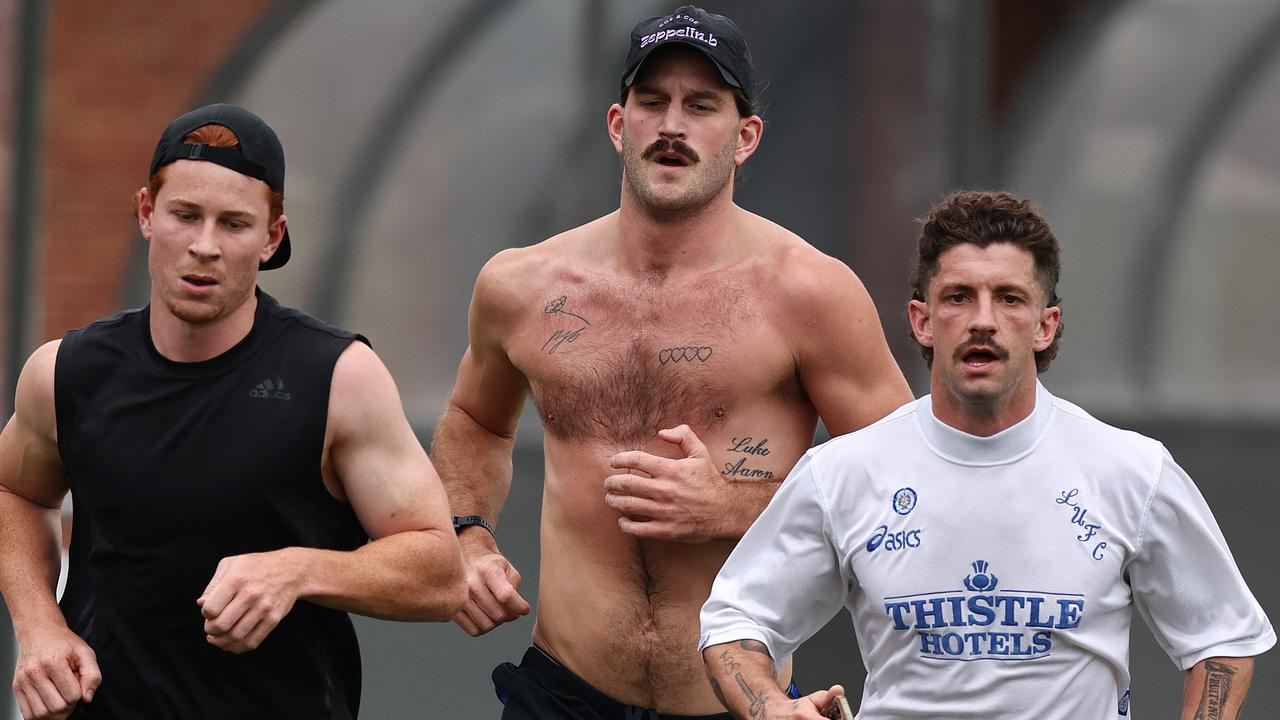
(30, 557)
(744, 502)
(742, 675)
(1215, 688)
(415, 575)
(474, 464)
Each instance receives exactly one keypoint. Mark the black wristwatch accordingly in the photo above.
(462, 521)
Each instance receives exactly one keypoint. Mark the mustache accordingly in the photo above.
(983, 342)
(664, 145)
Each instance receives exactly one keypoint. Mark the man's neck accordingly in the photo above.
(984, 419)
(183, 341)
(655, 244)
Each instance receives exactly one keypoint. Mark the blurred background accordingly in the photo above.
(425, 135)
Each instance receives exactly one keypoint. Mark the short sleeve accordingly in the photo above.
(1186, 584)
(782, 582)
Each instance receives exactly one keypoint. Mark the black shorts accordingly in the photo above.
(542, 689)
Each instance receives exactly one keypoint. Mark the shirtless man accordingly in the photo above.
(680, 352)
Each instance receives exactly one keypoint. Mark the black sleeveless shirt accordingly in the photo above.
(175, 466)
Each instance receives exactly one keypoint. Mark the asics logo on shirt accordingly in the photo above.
(268, 390)
(898, 540)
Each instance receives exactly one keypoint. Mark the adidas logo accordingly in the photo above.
(268, 390)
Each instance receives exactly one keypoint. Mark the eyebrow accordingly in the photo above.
(1000, 288)
(189, 205)
(695, 95)
(706, 95)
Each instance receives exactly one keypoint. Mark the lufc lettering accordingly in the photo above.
(1009, 625)
(1080, 518)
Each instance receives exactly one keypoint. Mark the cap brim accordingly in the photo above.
(728, 78)
(281, 256)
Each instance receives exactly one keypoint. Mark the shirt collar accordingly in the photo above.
(1006, 446)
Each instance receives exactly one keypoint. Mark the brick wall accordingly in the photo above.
(116, 73)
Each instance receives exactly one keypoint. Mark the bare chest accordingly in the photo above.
(616, 366)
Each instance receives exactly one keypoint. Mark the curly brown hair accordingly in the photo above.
(984, 217)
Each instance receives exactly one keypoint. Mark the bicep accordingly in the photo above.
(489, 388)
(373, 452)
(845, 364)
(30, 464)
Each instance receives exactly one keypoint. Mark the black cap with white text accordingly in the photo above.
(715, 36)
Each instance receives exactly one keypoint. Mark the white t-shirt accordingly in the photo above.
(989, 577)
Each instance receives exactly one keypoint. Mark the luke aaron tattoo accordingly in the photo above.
(556, 307)
(751, 447)
(1217, 691)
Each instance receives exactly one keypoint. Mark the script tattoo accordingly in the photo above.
(688, 353)
(749, 446)
(731, 665)
(556, 307)
(1217, 690)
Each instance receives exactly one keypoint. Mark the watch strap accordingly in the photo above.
(464, 521)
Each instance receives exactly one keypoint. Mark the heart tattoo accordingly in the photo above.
(683, 354)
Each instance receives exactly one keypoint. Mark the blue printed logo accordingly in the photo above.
(899, 540)
(983, 623)
(904, 501)
(1123, 708)
(980, 581)
(1080, 518)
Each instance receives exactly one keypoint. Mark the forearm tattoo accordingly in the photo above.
(1217, 691)
(757, 703)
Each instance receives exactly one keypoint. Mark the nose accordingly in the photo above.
(673, 122)
(983, 318)
(204, 246)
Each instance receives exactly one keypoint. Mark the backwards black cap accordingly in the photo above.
(259, 155)
(715, 36)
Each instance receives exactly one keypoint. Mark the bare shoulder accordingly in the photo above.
(362, 395)
(34, 400)
(358, 365)
(514, 277)
(804, 277)
(30, 465)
